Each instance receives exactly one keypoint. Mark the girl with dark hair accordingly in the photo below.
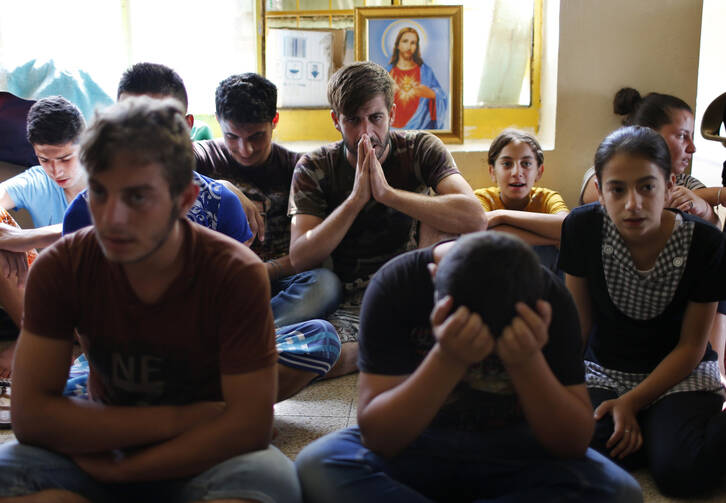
(646, 280)
(673, 119)
(514, 204)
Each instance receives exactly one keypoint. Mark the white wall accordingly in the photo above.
(651, 45)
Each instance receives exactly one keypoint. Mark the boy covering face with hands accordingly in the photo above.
(477, 394)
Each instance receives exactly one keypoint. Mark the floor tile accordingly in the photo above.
(6, 436)
(295, 432)
(320, 399)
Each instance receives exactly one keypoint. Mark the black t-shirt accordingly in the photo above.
(267, 185)
(617, 341)
(396, 336)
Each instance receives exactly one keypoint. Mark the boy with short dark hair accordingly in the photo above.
(481, 401)
(216, 207)
(160, 81)
(182, 360)
(54, 127)
(261, 171)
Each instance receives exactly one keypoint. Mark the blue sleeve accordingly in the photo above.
(26, 188)
(14, 187)
(77, 215)
(232, 220)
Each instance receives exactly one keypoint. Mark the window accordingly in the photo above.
(203, 42)
(501, 61)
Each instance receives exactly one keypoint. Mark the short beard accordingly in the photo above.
(353, 149)
(163, 236)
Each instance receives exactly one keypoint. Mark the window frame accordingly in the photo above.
(480, 123)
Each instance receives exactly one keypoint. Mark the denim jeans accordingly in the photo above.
(502, 466)
(549, 256)
(267, 476)
(305, 296)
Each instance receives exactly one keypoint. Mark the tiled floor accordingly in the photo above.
(331, 405)
(321, 408)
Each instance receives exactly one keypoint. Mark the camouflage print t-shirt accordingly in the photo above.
(323, 179)
(267, 185)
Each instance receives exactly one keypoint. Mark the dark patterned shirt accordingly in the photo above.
(267, 185)
(323, 179)
(396, 337)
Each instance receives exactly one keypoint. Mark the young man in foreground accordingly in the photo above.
(183, 375)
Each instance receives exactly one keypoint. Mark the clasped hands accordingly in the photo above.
(370, 181)
(466, 339)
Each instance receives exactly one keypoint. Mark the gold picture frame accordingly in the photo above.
(421, 46)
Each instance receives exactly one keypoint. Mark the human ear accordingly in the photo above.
(187, 197)
(275, 119)
(600, 198)
(336, 122)
(540, 171)
(492, 173)
(190, 120)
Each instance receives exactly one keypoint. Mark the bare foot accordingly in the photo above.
(347, 361)
(6, 361)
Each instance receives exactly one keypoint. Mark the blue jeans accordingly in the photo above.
(305, 296)
(266, 476)
(500, 466)
(549, 256)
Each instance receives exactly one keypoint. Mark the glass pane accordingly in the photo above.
(230, 24)
(314, 4)
(498, 37)
(377, 3)
(276, 5)
(45, 30)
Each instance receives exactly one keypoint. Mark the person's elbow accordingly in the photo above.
(476, 217)
(573, 440)
(247, 433)
(377, 441)
(297, 254)
(30, 426)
